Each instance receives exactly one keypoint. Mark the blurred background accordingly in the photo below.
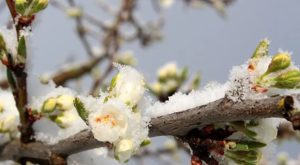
(202, 39)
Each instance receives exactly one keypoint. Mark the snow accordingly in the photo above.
(181, 102)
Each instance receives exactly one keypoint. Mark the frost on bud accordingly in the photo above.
(64, 102)
(288, 80)
(262, 49)
(279, 62)
(124, 149)
(128, 85)
(49, 105)
(74, 12)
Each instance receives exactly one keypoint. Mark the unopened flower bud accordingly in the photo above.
(65, 119)
(38, 5)
(49, 105)
(64, 102)
(288, 80)
(279, 62)
(21, 6)
(124, 149)
(262, 49)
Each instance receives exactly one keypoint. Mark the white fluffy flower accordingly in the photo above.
(128, 86)
(110, 121)
(124, 149)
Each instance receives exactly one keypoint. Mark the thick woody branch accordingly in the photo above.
(176, 124)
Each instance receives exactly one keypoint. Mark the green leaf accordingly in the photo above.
(240, 126)
(83, 113)
(145, 142)
(22, 47)
(2, 43)
(10, 78)
(196, 81)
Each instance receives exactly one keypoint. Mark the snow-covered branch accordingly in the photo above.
(176, 124)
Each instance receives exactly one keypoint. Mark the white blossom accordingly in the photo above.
(128, 85)
(110, 121)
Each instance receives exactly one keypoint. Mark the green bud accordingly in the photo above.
(30, 7)
(279, 62)
(49, 105)
(38, 5)
(262, 49)
(21, 6)
(288, 80)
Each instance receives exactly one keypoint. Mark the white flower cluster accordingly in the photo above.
(9, 117)
(115, 117)
(59, 116)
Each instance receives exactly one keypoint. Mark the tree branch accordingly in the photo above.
(176, 124)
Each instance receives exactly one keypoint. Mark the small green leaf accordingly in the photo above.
(196, 81)
(145, 142)
(83, 113)
(22, 47)
(184, 74)
(10, 78)
(240, 126)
